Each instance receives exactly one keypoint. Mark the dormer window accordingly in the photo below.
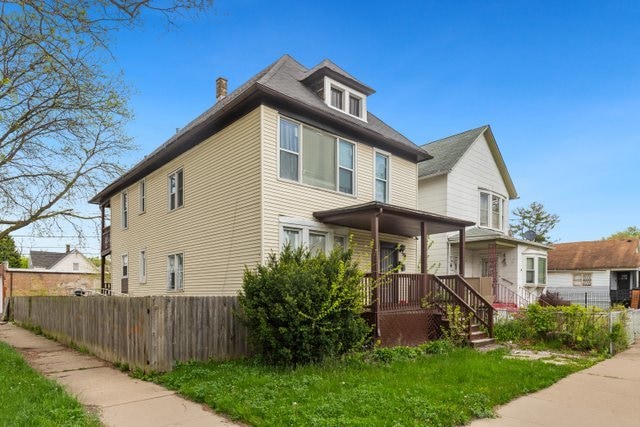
(345, 99)
(337, 98)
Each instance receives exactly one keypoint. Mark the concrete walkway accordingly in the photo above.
(118, 399)
(607, 394)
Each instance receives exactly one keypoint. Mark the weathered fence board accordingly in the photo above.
(150, 333)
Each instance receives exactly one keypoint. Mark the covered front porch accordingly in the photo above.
(395, 300)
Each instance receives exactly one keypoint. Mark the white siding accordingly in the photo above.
(66, 264)
(599, 279)
(475, 170)
(283, 198)
(217, 230)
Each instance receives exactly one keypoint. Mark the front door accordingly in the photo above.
(624, 280)
(388, 257)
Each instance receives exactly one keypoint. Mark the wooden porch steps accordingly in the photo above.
(479, 338)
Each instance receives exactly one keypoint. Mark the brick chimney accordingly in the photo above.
(221, 88)
(68, 248)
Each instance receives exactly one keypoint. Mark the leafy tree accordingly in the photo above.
(8, 252)
(62, 111)
(631, 232)
(534, 218)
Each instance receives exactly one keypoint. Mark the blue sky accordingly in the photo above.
(559, 83)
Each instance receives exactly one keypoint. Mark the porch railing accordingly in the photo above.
(504, 294)
(396, 291)
(481, 309)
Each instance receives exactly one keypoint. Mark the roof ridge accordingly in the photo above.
(457, 134)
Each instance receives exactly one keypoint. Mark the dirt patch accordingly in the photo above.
(545, 356)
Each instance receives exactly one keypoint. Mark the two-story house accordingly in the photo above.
(468, 179)
(292, 156)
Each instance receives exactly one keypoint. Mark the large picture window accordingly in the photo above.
(316, 158)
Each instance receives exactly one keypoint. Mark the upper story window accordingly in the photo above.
(382, 177)
(491, 210)
(176, 189)
(345, 99)
(124, 202)
(316, 158)
(142, 189)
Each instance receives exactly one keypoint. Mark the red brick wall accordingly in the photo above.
(23, 282)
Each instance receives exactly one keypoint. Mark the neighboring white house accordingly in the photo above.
(468, 179)
(602, 271)
(71, 261)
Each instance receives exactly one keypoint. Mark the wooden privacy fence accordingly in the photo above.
(150, 333)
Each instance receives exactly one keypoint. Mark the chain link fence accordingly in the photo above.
(600, 298)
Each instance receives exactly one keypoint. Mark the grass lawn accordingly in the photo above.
(29, 399)
(443, 390)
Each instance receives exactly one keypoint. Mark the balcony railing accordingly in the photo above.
(106, 241)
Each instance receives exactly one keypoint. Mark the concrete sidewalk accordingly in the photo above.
(607, 394)
(118, 399)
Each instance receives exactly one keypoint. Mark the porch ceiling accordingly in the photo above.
(392, 219)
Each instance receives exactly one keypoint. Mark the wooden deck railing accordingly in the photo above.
(396, 291)
(481, 308)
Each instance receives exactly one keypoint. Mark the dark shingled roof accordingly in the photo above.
(330, 68)
(602, 254)
(284, 80)
(447, 151)
(44, 259)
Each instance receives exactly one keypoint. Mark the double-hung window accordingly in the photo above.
(143, 266)
(316, 158)
(124, 201)
(355, 106)
(176, 190)
(317, 238)
(536, 270)
(491, 210)
(175, 272)
(382, 177)
(142, 189)
(125, 266)
(292, 237)
(337, 98)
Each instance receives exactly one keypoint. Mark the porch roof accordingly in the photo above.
(393, 219)
(480, 238)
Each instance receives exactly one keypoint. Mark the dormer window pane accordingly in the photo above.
(355, 106)
(337, 98)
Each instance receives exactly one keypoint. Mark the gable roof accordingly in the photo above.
(329, 68)
(448, 151)
(281, 84)
(44, 259)
(605, 254)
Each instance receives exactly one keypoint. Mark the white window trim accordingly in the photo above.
(300, 154)
(503, 218)
(388, 156)
(536, 272)
(142, 196)
(181, 289)
(122, 265)
(346, 90)
(123, 195)
(142, 262)
(306, 226)
(175, 173)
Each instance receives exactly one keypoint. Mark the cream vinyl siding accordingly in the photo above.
(432, 194)
(289, 199)
(476, 170)
(217, 230)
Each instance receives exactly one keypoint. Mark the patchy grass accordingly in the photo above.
(29, 399)
(442, 390)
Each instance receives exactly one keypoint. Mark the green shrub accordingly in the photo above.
(302, 308)
(573, 327)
